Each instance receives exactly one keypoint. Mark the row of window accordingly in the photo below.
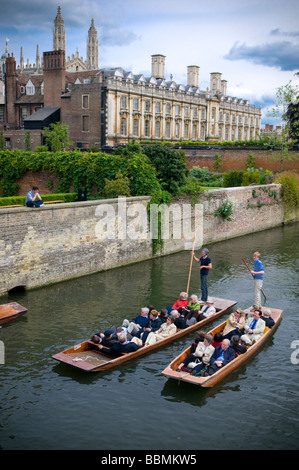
(198, 132)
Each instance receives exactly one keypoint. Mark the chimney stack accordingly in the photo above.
(158, 66)
(193, 76)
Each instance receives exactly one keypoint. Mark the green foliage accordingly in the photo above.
(225, 210)
(201, 174)
(75, 169)
(250, 177)
(118, 187)
(217, 164)
(233, 179)
(250, 161)
(57, 137)
(290, 190)
(170, 165)
(191, 186)
(27, 141)
(2, 141)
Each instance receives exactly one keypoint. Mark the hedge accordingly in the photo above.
(13, 200)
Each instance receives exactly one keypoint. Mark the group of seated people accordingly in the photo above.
(209, 354)
(151, 326)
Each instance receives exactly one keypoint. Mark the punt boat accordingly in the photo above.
(88, 357)
(11, 311)
(171, 371)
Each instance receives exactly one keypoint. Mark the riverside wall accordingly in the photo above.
(63, 241)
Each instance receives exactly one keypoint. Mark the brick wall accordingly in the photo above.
(235, 159)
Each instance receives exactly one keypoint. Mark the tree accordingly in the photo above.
(57, 137)
(2, 141)
(27, 141)
(284, 96)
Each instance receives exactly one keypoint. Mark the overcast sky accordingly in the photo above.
(254, 44)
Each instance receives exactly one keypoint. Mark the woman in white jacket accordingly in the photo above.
(201, 355)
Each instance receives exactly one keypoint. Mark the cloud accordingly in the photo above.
(278, 32)
(282, 55)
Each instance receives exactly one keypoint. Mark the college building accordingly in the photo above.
(111, 106)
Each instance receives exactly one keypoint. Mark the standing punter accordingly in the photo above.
(258, 275)
(205, 266)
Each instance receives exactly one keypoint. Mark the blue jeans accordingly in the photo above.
(204, 286)
(36, 203)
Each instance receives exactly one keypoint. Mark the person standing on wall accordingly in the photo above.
(205, 266)
(258, 276)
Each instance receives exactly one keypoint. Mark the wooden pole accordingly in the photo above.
(191, 261)
(253, 276)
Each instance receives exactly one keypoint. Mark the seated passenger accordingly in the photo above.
(237, 345)
(193, 304)
(139, 322)
(154, 324)
(221, 356)
(208, 309)
(181, 302)
(199, 338)
(254, 328)
(178, 319)
(107, 338)
(266, 316)
(192, 317)
(163, 315)
(201, 356)
(122, 346)
(235, 324)
(217, 341)
(164, 331)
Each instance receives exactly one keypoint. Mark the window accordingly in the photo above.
(194, 132)
(24, 113)
(177, 110)
(233, 118)
(226, 133)
(233, 135)
(85, 101)
(146, 130)
(158, 107)
(167, 108)
(85, 123)
(219, 133)
(227, 117)
(213, 113)
(168, 129)
(202, 114)
(123, 103)
(239, 134)
(186, 131)
(220, 116)
(186, 111)
(194, 113)
(202, 132)
(135, 127)
(147, 106)
(136, 104)
(1, 114)
(123, 126)
(157, 128)
(177, 130)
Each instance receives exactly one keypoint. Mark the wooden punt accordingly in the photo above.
(88, 356)
(171, 370)
(11, 311)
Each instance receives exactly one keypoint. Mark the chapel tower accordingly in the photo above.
(59, 32)
(92, 48)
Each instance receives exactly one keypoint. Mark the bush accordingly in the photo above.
(233, 179)
(118, 187)
(224, 211)
(290, 190)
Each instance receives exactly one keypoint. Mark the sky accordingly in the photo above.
(253, 44)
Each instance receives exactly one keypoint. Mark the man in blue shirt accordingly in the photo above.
(258, 276)
(33, 198)
(205, 266)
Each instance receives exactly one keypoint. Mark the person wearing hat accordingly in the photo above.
(205, 266)
(208, 309)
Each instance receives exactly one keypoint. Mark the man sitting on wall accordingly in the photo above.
(33, 198)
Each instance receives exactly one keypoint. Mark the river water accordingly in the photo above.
(48, 405)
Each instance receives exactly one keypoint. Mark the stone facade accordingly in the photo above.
(63, 241)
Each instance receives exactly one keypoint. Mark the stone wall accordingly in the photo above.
(62, 241)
